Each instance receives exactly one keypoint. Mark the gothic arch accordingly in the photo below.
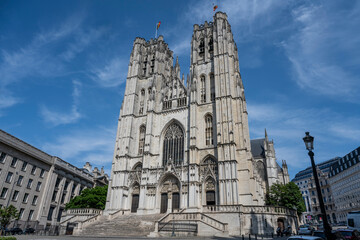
(209, 168)
(169, 191)
(173, 143)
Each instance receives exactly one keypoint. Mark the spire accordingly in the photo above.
(183, 78)
(177, 61)
(266, 135)
(177, 67)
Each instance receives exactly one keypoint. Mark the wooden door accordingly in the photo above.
(164, 203)
(175, 201)
(135, 202)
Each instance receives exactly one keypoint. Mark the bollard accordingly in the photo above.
(255, 236)
(243, 237)
(272, 235)
(249, 237)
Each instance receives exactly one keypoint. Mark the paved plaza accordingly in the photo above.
(33, 237)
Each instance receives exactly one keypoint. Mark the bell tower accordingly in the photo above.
(217, 91)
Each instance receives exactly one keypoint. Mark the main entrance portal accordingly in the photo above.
(170, 189)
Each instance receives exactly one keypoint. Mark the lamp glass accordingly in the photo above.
(309, 141)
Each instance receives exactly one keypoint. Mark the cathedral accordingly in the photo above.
(183, 146)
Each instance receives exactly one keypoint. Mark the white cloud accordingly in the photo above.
(112, 74)
(92, 145)
(287, 126)
(324, 50)
(6, 99)
(46, 56)
(59, 118)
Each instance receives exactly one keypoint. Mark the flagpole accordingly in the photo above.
(156, 31)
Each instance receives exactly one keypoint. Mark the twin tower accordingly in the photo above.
(186, 145)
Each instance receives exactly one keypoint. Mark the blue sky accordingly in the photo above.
(63, 69)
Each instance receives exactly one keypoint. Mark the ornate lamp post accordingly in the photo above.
(309, 143)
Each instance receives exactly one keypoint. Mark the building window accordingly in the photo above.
(2, 157)
(19, 181)
(42, 173)
(31, 213)
(211, 45)
(21, 212)
(54, 196)
(66, 186)
(3, 192)
(73, 189)
(212, 87)
(13, 162)
(34, 200)
(51, 210)
(29, 183)
(33, 170)
(23, 168)
(63, 198)
(81, 189)
(201, 47)
(202, 89)
(59, 214)
(173, 146)
(9, 177)
(57, 182)
(142, 139)
(15, 196)
(209, 130)
(142, 97)
(152, 63)
(25, 199)
(38, 186)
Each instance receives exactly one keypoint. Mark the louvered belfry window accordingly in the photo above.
(173, 148)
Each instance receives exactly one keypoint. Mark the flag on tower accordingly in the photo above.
(215, 7)
(158, 25)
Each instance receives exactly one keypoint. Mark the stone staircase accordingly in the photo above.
(123, 225)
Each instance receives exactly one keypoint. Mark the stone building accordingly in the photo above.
(37, 184)
(305, 181)
(345, 184)
(185, 147)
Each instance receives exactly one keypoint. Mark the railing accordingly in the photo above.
(83, 211)
(249, 209)
(191, 218)
(178, 227)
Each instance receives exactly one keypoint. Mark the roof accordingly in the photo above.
(257, 147)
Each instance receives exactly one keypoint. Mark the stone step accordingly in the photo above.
(124, 225)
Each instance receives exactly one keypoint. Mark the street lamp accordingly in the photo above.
(309, 143)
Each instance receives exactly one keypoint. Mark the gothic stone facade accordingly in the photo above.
(185, 146)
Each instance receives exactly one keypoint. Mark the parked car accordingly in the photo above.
(305, 230)
(349, 234)
(16, 230)
(29, 230)
(301, 237)
(319, 233)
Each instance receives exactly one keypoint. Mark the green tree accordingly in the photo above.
(7, 214)
(287, 195)
(89, 198)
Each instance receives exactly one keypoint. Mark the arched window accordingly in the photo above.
(209, 130)
(173, 148)
(201, 47)
(202, 90)
(144, 65)
(211, 45)
(212, 87)
(152, 64)
(142, 139)
(142, 96)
